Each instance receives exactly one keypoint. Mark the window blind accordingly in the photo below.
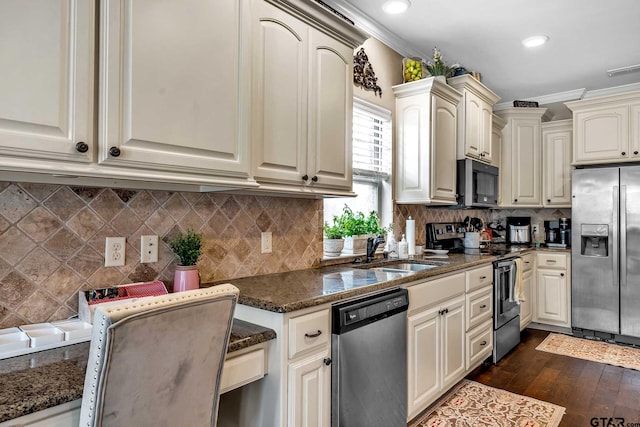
(371, 141)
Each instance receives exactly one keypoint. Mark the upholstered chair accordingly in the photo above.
(157, 361)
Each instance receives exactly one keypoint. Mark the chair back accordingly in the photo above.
(157, 361)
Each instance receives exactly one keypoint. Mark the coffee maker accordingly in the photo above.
(557, 233)
(519, 230)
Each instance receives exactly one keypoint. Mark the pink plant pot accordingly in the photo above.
(186, 278)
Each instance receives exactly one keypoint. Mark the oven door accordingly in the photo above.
(504, 292)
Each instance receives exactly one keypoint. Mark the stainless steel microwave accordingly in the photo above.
(477, 184)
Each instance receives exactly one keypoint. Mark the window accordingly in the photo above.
(371, 164)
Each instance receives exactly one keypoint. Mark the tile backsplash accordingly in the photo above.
(52, 240)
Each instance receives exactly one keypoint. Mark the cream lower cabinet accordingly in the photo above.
(425, 134)
(435, 339)
(528, 286)
(302, 102)
(556, 163)
(553, 289)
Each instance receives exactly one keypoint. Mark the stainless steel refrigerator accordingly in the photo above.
(605, 254)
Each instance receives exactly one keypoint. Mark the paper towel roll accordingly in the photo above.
(411, 235)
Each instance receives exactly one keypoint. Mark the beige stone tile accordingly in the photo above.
(62, 313)
(40, 192)
(98, 241)
(193, 198)
(64, 203)
(63, 244)
(125, 223)
(15, 203)
(107, 204)
(38, 307)
(142, 273)
(14, 245)
(105, 277)
(176, 206)
(160, 222)
(218, 224)
(85, 223)
(214, 250)
(205, 208)
(15, 289)
(125, 194)
(86, 262)
(87, 194)
(230, 208)
(264, 221)
(161, 196)
(39, 224)
(143, 205)
(4, 224)
(38, 265)
(191, 221)
(63, 284)
(219, 199)
(11, 321)
(4, 268)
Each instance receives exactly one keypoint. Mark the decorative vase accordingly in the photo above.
(186, 278)
(333, 247)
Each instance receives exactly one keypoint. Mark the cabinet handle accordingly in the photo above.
(483, 277)
(527, 262)
(624, 153)
(114, 151)
(483, 343)
(551, 261)
(314, 178)
(305, 178)
(446, 310)
(316, 335)
(561, 274)
(327, 361)
(483, 306)
(82, 147)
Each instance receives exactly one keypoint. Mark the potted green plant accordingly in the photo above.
(357, 227)
(437, 66)
(333, 241)
(188, 248)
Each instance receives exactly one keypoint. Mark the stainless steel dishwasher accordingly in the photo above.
(369, 352)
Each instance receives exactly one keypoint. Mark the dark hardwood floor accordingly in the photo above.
(586, 389)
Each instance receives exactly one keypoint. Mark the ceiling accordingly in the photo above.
(586, 38)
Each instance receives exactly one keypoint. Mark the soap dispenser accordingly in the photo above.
(392, 246)
(403, 248)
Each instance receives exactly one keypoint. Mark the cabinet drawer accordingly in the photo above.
(479, 344)
(243, 369)
(552, 260)
(429, 293)
(527, 262)
(479, 307)
(308, 331)
(479, 277)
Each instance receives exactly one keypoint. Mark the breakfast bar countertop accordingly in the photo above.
(41, 380)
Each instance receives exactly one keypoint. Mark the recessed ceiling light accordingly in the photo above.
(395, 7)
(534, 41)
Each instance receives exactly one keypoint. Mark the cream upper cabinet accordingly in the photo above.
(475, 113)
(302, 104)
(556, 163)
(425, 135)
(46, 89)
(172, 86)
(498, 123)
(606, 129)
(521, 155)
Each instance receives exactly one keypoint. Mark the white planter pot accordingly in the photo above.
(333, 247)
(356, 245)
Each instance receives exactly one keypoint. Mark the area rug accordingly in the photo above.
(596, 351)
(474, 404)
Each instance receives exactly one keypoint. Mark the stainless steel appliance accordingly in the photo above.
(369, 369)
(477, 184)
(519, 230)
(552, 232)
(506, 316)
(605, 254)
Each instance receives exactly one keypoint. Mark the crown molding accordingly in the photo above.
(612, 90)
(375, 29)
(570, 95)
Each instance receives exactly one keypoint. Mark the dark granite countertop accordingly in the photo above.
(38, 381)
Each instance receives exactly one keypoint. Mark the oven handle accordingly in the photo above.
(512, 285)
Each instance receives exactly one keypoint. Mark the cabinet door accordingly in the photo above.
(310, 392)
(279, 95)
(635, 131)
(46, 58)
(423, 359)
(601, 135)
(473, 119)
(556, 168)
(443, 150)
(330, 112)
(526, 306)
(171, 82)
(551, 302)
(453, 338)
(486, 148)
(525, 163)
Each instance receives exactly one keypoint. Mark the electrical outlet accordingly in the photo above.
(266, 242)
(534, 228)
(148, 249)
(114, 251)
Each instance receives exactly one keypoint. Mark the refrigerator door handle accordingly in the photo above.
(614, 236)
(623, 236)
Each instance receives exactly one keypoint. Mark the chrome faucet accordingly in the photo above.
(372, 246)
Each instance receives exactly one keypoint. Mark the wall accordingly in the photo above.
(387, 66)
(52, 240)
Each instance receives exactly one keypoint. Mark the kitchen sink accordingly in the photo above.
(397, 267)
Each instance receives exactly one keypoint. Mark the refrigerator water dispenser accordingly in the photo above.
(595, 240)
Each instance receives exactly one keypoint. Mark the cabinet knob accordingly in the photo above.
(624, 153)
(82, 147)
(635, 153)
(305, 178)
(314, 178)
(515, 200)
(114, 151)
(561, 274)
(483, 277)
(327, 361)
(548, 200)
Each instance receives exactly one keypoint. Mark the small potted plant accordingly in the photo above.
(333, 241)
(188, 248)
(354, 225)
(437, 67)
